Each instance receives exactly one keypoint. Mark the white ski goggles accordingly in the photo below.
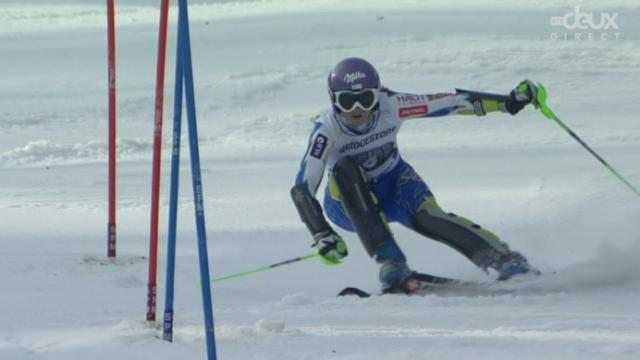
(365, 99)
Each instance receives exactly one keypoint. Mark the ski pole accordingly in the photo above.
(264, 268)
(541, 100)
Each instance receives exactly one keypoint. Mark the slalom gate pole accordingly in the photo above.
(167, 328)
(264, 268)
(155, 171)
(185, 45)
(111, 79)
(546, 111)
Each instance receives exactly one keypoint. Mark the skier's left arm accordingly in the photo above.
(466, 102)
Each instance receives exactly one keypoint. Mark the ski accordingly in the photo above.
(425, 284)
(417, 284)
(354, 291)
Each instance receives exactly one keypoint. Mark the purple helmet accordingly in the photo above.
(353, 82)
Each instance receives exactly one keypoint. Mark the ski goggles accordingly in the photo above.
(365, 99)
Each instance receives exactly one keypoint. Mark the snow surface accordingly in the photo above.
(260, 72)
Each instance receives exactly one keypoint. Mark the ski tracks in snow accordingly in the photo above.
(498, 333)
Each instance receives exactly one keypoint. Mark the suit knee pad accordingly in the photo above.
(480, 246)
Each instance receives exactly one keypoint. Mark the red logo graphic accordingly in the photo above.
(414, 110)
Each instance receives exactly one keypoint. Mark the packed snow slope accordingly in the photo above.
(260, 70)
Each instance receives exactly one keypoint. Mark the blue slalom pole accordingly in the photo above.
(185, 42)
(167, 328)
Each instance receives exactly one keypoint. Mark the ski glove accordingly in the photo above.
(330, 246)
(525, 93)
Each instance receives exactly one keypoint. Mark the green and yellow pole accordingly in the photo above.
(265, 268)
(541, 100)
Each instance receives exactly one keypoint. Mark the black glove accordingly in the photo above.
(525, 93)
(331, 247)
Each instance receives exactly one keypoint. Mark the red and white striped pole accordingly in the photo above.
(111, 55)
(155, 172)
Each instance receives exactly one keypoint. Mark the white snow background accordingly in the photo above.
(260, 70)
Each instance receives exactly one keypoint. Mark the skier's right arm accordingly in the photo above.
(329, 244)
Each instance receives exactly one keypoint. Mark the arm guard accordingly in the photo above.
(309, 210)
(485, 102)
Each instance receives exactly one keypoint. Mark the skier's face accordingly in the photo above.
(356, 117)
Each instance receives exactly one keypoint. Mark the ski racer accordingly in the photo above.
(370, 185)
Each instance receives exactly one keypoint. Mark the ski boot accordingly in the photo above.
(393, 276)
(515, 265)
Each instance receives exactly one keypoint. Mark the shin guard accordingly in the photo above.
(361, 205)
(480, 246)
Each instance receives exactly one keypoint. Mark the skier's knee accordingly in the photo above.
(479, 245)
(347, 169)
(434, 215)
(349, 185)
